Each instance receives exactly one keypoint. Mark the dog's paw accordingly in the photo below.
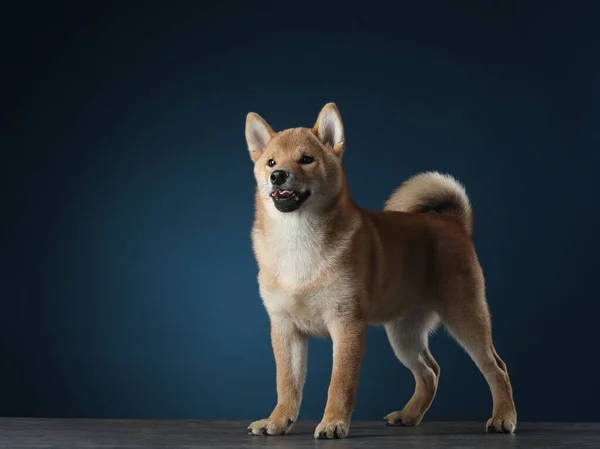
(502, 424)
(403, 418)
(269, 427)
(332, 429)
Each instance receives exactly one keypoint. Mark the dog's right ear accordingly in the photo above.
(258, 135)
(330, 129)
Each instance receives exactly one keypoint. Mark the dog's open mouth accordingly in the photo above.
(280, 194)
(284, 194)
(288, 200)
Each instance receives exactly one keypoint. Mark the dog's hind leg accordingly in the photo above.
(470, 325)
(408, 336)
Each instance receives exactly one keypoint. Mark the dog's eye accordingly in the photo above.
(306, 160)
(271, 163)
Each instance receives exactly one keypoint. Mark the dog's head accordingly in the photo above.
(299, 168)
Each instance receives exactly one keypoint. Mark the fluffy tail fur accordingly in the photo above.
(433, 192)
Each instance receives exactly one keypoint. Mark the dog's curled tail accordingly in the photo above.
(433, 192)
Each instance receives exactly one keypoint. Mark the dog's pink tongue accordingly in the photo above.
(283, 193)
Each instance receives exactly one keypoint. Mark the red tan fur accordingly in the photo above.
(330, 268)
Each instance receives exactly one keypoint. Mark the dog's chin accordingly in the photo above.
(289, 200)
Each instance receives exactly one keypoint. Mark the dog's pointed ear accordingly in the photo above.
(330, 129)
(258, 135)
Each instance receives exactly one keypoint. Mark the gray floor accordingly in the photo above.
(18, 433)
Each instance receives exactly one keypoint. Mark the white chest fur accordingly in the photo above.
(297, 251)
(294, 250)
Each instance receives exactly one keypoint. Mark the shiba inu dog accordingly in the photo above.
(330, 268)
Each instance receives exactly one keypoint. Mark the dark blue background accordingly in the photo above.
(128, 284)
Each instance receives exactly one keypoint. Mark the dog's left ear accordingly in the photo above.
(330, 129)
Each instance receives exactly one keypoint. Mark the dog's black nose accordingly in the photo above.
(278, 177)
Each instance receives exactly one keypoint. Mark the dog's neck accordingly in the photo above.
(298, 246)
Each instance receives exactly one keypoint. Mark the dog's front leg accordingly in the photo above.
(348, 348)
(290, 348)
